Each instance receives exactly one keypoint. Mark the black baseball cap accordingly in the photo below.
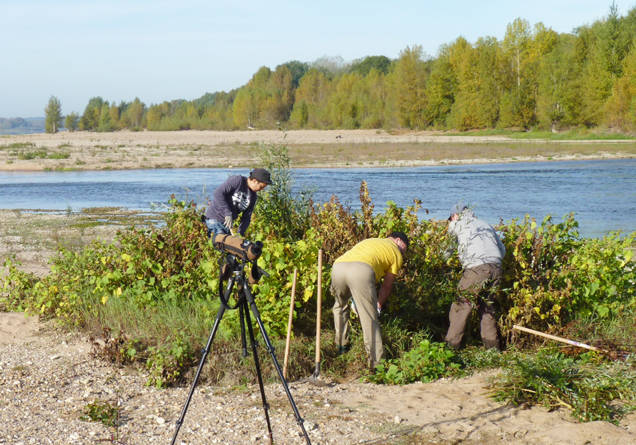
(262, 175)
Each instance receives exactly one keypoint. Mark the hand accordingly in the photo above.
(228, 222)
(379, 308)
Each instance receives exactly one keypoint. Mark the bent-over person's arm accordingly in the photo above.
(385, 288)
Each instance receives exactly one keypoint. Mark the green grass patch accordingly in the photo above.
(585, 385)
(17, 145)
(58, 155)
(28, 155)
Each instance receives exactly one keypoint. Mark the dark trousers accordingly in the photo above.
(476, 287)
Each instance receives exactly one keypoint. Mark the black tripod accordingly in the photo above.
(233, 271)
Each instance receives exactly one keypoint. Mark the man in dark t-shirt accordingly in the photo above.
(236, 195)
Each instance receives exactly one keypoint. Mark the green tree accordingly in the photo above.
(409, 82)
(621, 107)
(602, 68)
(297, 70)
(279, 96)
(90, 118)
(381, 64)
(134, 114)
(250, 101)
(105, 120)
(441, 88)
(516, 102)
(558, 98)
(53, 115)
(114, 112)
(611, 47)
(344, 106)
(71, 123)
(373, 97)
(312, 95)
(477, 99)
(217, 113)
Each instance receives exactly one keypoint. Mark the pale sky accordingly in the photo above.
(163, 50)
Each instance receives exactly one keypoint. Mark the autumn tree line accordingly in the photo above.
(533, 78)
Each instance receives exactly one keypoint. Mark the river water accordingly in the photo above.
(602, 194)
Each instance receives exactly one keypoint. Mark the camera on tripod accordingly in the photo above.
(239, 247)
(233, 282)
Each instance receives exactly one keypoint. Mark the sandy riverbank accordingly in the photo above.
(307, 148)
(49, 377)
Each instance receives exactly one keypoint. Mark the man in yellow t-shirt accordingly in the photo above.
(356, 274)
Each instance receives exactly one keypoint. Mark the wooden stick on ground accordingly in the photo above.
(289, 323)
(554, 337)
(318, 314)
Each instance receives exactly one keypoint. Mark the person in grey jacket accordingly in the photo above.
(481, 252)
(236, 195)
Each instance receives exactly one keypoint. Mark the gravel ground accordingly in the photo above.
(48, 378)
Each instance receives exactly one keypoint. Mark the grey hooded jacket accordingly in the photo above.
(478, 243)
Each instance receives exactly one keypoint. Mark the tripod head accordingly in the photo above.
(232, 271)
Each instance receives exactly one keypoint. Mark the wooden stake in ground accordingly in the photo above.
(554, 337)
(318, 314)
(289, 323)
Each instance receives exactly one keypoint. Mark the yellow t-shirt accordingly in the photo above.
(380, 253)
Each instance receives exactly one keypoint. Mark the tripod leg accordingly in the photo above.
(196, 377)
(257, 364)
(243, 342)
(250, 299)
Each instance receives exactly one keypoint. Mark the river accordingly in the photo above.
(601, 193)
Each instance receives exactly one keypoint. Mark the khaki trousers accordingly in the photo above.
(357, 280)
(477, 283)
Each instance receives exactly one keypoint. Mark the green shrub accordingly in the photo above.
(426, 362)
(553, 380)
(103, 412)
(552, 276)
(167, 362)
(281, 214)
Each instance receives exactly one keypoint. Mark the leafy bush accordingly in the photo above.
(552, 276)
(426, 362)
(168, 361)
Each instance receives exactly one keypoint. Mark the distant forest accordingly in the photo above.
(18, 125)
(533, 78)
